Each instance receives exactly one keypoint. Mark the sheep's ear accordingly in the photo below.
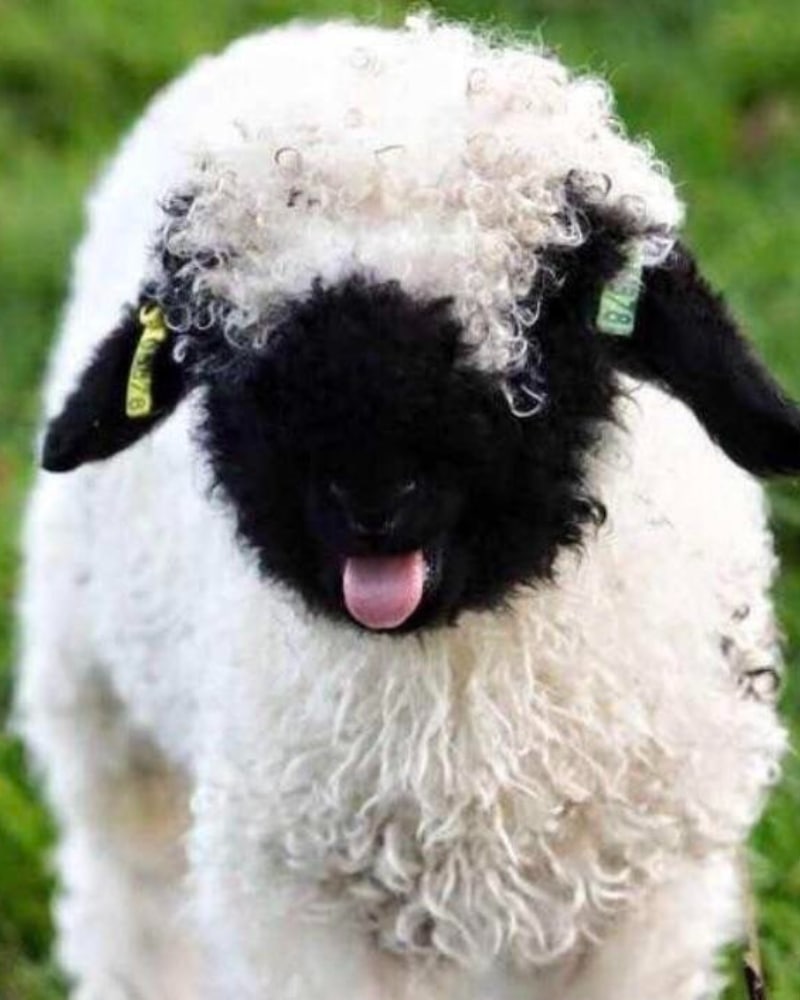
(128, 387)
(684, 338)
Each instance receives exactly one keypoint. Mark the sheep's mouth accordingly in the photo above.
(383, 592)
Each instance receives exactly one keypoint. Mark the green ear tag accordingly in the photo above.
(616, 313)
(139, 395)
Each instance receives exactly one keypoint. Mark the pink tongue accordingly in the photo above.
(383, 591)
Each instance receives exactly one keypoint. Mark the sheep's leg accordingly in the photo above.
(122, 812)
(668, 948)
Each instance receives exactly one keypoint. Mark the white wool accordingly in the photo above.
(542, 803)
(426, 155)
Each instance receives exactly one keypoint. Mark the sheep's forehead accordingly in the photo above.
(423, 155)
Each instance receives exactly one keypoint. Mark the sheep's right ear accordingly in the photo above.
(129, 386)
(685, 339)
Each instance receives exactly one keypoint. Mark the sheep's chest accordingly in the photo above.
(470, 819)
(464, 886)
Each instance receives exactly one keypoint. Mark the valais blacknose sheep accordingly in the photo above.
(406, 632)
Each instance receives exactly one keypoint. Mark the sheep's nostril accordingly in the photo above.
(373, 528)
(345, 496)
(373, 514)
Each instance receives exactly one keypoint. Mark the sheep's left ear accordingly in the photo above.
(684, 337)
(129, 386)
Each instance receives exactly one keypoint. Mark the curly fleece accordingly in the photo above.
(430, 155)
(545, 801)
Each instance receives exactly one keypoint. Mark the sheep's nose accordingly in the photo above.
(377, 515)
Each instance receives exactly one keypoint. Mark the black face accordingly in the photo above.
(376, 472)
(373, 469)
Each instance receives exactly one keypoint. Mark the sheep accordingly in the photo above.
(405, 628)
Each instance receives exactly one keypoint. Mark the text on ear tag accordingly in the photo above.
(139, 394)
(616, 313)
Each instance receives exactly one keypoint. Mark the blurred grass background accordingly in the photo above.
(715, 83)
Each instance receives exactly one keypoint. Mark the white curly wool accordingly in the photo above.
(544, 803)
(426, 155)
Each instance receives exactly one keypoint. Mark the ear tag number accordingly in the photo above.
(139, 395)
(616, 313)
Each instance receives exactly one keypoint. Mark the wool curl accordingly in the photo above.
(363, 165)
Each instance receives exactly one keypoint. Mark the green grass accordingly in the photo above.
(716, 85)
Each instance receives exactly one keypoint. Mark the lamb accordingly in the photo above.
(405, 628)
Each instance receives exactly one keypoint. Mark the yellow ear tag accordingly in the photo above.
(139, 395)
